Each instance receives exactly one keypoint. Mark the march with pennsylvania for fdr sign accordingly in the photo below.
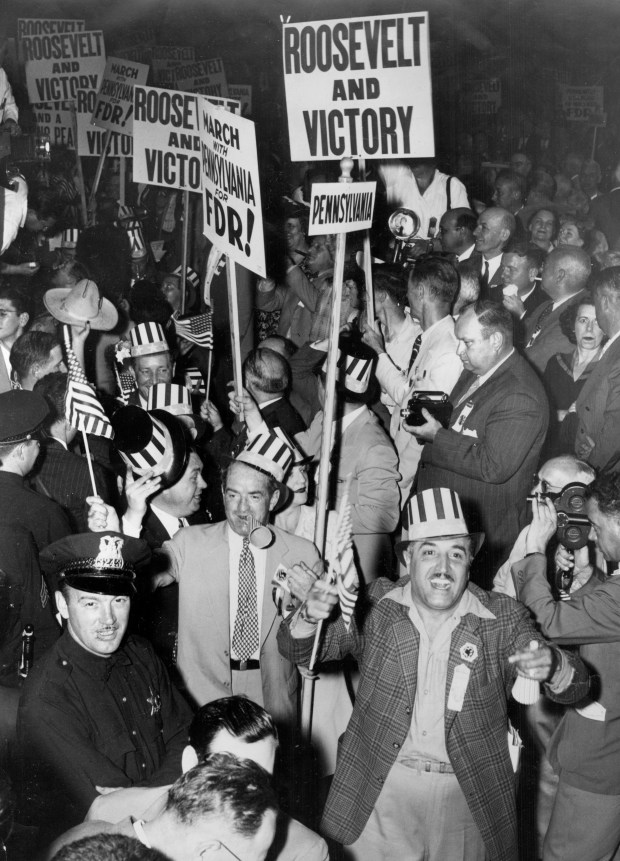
(359, 87)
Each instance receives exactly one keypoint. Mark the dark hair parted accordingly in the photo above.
(241, 717)
(438, 276)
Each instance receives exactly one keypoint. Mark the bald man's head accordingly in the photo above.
(266, 373)
(495, 227)
(565, 271)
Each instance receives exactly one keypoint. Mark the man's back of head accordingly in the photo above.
(266, 373)
(573, 265)
(438, 279)
(31, 355)
(107, 847)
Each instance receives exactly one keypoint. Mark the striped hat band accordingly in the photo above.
(69, 237)
(190, 275)
(156, 455)
(269, 453)
(356, 372)
(434, 513)
(171, 397)
(147, 338)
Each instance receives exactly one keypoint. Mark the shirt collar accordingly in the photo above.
(168, 521)
(267, 403)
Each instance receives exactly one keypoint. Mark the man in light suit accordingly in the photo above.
(489, 452)
(215, 613)
(584, 749)
(598, 404)
(564, 276)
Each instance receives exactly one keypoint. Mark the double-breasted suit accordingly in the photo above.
(598, 410)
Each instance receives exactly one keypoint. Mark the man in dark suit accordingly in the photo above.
(494, 230)
(598, 404)
(59, 473)
(267, 376)
(489, 452)
(423, 768)
(565, 273)
(584, 748)
(605, 209)
(519, 289)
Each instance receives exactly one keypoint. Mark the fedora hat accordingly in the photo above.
(436, 513)
(154, 441)
(81, 303)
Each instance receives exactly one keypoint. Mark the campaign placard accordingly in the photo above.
(341, 207)
(114, 105)
(243, 92)
(55, 121)
(582, 104)
(232, 105)
(27, 27)
(166, 135)
(231, 190)
(359, 87)
(206, 77)
(487, 96)
(165, 58)
(64, 66)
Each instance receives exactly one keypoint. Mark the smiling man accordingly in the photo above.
(228, 620)
(424, 768)
(98, 709)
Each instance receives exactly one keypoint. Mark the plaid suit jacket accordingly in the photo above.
(490, 461)
(386, 647)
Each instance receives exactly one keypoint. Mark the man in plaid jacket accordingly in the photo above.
(424, 769)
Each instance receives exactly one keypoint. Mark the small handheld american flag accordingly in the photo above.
(197, 329)
(82, 407)
(342, 565)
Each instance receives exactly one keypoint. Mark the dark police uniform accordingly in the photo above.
(96, 721)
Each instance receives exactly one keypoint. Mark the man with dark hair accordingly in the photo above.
(33, 355)
(495, 228)
(519, 289)
(233, 725)
(424, 770)
(565, 273)
(433, 363)
(58, 473)
(598, 404)
(15, 314)
(224, 803)
(509, 191)
(456, 232)
(107, 847)
(98, 709)
(212, 565)
(583, 750)
(490, 449)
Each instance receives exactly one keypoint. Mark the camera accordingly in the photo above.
(436, 403)
(573, 525)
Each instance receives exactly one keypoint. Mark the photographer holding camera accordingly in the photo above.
(585, 749)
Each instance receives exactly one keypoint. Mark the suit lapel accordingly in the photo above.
(277, 554)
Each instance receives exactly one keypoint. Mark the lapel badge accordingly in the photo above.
(469, 652)
(154, 701)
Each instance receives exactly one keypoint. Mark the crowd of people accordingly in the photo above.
(161, 594)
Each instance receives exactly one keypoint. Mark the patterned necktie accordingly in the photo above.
(543, 316)
(245, 636)
(414, 351)
(484, 281)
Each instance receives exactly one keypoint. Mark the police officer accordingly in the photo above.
(99, 710)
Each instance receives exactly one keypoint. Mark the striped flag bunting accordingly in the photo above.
(82, 407)
(197, 329)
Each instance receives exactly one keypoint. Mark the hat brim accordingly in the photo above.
(132, 428)
(99, 585)
(181, 447)
(477, 537)
(106, 319)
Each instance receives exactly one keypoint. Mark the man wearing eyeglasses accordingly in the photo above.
(15, 312)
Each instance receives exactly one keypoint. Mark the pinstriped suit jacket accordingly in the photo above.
(386, 646)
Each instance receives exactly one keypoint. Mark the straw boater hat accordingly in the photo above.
(154, 441)
(81, 304)
(147, 338)
(436, 513)
(99, 562)
(272, 455)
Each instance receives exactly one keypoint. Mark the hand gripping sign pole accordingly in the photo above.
(309, 676)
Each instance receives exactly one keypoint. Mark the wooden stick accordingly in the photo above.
(123, 171)
(209, 362)
(80, 171)
(309, 676)
(93, 193)
(235, 334)
(370, 296)
(89, 462)
(185, 241)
